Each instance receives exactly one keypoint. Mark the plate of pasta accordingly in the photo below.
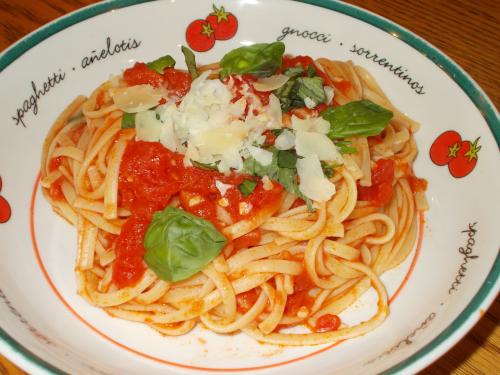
(197, 195)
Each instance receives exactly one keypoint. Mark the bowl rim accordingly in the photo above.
(491, 285)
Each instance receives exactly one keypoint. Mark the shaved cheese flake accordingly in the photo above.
(168, 137)
(308, 143)
(237, 109)
(137, 98)
(270, 83)
(313, 183)
(222, 187)
(231, 159)
(216, 141)
(313, 124)
(262, 156)
(330, 93)
(309, 103)
(147, 127)
(273, 111)
(267, 184)
(285, 141)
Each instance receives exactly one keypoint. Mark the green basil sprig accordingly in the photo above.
(358, 118)
(297, 89)
(282, 169)
(179, 244)
(261, 60)
(160, 64)
(190, 62)
(247, 187)
(128, 120)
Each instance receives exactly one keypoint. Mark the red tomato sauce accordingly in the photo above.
(247, 79)
(245, 301)
(150, 175)
(327, 323)
(250, 239)
(175, 81)
(381, 191)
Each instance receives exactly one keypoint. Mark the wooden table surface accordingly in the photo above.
(467, 31)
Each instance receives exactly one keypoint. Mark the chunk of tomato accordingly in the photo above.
(250, 239)
(177, 82)
(141, 74)
(327, 323)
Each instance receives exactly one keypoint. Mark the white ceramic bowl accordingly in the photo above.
(442, 289)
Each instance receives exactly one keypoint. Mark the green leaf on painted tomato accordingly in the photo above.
(179, 244)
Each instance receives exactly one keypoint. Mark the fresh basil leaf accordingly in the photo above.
(261, 60)
(206, 166)
(293, 72)
(128, 120)
(285, 176)
(311, 71)
(287, 159)
(295, 91)
(328, 168)
(190, 62)
(345, 147)
(179, 244)
(358, 118)
(312, 88)
(247, 187)
(161, 63)
(277, 132)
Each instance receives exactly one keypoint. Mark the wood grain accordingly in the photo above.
(467, 31)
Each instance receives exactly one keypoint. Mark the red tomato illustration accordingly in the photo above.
(200, 35)
(445, 147)
(224, 23)
(466, 159)
(5, 210)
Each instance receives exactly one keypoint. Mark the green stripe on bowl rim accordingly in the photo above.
(488, 289)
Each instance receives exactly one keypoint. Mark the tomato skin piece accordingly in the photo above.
(55, 190)
(298, 202)
(200, 35)
(445, 147)
(141, 74)
(297, 300)
(302, 60)
(466, 159)
(417, 184)
(270, 138)
(381, 191)
(176, 82)
(327, 323)
(343, 86)
(383, 171)
(302, 282)
(54, 163)
(129, 266)
(245, 301)
(250, 239)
